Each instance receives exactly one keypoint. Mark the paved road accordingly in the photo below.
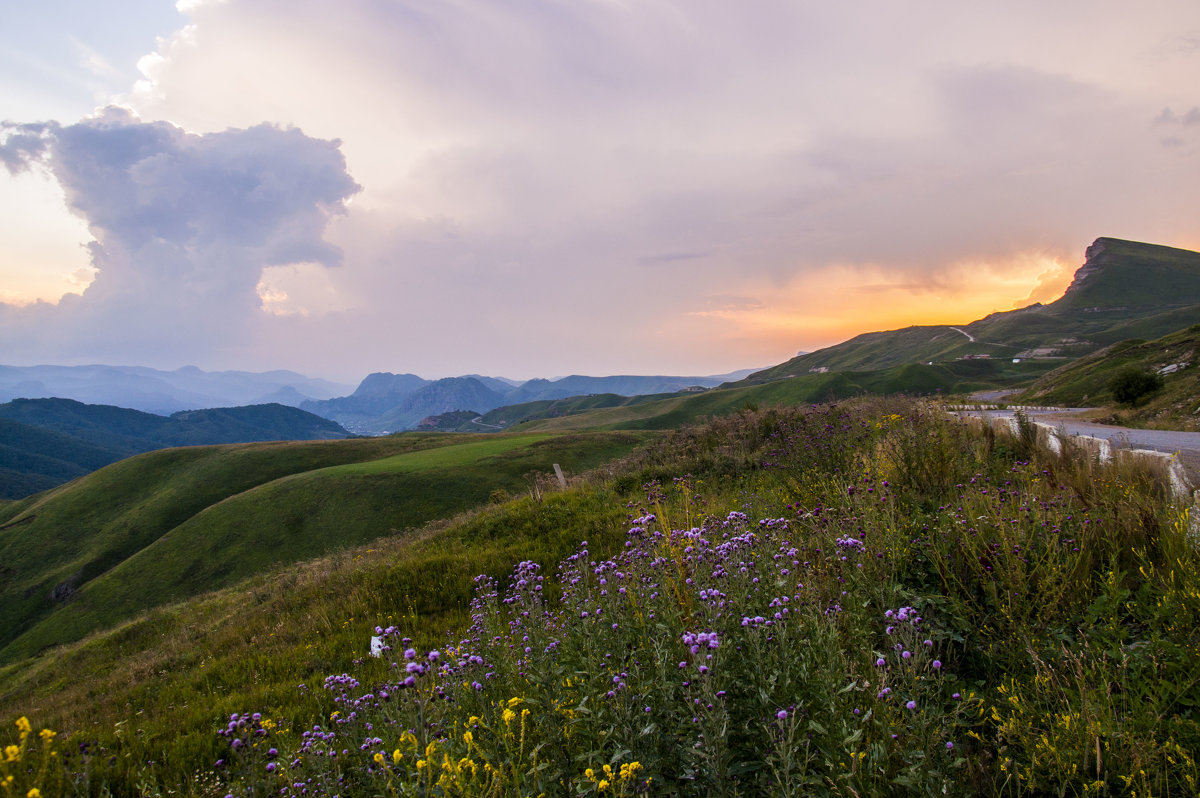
(1186, 444)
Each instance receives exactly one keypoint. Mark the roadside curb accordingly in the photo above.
(1052, 438)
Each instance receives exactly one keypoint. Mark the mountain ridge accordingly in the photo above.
(1124, 289)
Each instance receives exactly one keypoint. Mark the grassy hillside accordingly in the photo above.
(171, 524)
(1086, 382)
(875, 585)
(1121, 276)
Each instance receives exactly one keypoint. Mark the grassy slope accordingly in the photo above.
(1084, 383)
(151, 688)
(167, 525)
(1132, 275)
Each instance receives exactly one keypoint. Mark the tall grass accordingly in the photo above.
(862, 599)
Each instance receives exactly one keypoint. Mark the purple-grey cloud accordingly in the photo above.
(183, 226)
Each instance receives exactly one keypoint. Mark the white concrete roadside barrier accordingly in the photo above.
(1053, 439)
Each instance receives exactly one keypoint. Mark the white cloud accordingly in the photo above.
(183, 226)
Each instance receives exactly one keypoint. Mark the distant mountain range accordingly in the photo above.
(382, 402)
(386, 402)
(45, 442)
(162, 392)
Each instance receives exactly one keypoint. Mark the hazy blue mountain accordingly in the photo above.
(155, 390)
(391, 402)
(442, 396)
(376, 395)
(497, 384)
(622, 385)
(284, 396)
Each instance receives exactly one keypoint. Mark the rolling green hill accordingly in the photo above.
(166, 525)
(49, 441)
(1125, 289)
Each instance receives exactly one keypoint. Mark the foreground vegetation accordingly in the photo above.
(863, 599)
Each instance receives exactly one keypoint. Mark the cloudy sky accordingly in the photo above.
(540, 187)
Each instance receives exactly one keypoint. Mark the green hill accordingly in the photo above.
(33, 459)
(166, 525)
(49, 441)
(1125, 289)
(1087, 381)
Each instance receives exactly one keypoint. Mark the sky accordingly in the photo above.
(529, 188)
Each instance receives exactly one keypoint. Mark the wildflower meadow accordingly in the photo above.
(861, 599)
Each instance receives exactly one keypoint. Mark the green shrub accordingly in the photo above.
(1132, 383)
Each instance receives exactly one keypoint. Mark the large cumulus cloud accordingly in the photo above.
(183, 226)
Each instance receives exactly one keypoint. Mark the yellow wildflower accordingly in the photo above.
(468, 738)
(378, 758)
(46, 735)
(12, 753)
(512, 702)
(397, 756)
(508, 716)
(629, 770)
(603, 785)
(34, 793)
